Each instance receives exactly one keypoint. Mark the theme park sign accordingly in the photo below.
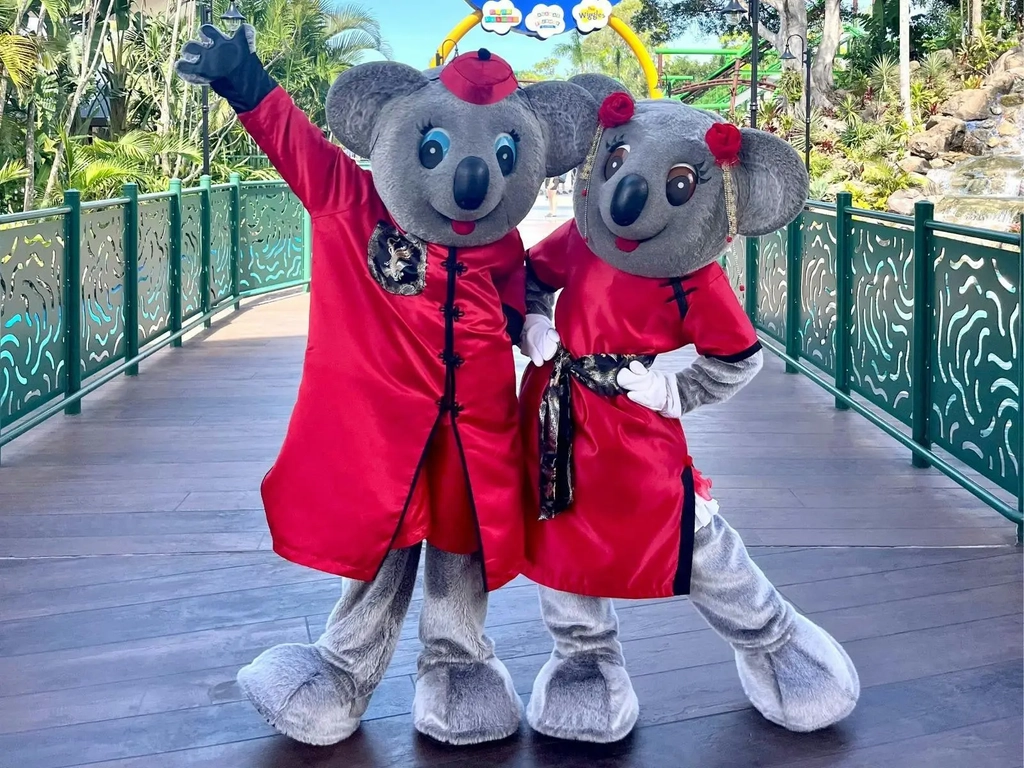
(544, 20)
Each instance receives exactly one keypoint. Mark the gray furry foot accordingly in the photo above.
(583, 698)
(301, 695)
(467, 703)
(806, 683)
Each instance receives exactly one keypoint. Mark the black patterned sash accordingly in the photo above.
(598, 374)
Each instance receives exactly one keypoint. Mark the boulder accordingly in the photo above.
(929, 144)
(1008, 129)
(993, 142)
(968, 105)
(1001, 82)
(1012, 59)
(950, 126)
(915, 165)
(1011, 100)
(973, 145)
(938, 164)
(902, 201)
(946, 56)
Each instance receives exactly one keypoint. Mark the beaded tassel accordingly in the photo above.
(588, 170)
(730, 203)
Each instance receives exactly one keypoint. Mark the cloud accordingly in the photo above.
(546, 21)
(500, 16)
(591, 15)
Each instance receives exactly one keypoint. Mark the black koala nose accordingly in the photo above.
(629, 200)
(472, 179)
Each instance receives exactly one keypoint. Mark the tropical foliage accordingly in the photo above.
(89, 98)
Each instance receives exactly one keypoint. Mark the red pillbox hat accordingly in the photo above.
(479, 77)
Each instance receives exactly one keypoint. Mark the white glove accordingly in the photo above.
(540, 340)
(651, 389)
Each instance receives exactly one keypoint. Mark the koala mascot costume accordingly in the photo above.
(619, 509)
(405, 428)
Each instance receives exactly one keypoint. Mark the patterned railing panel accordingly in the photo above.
(102, 263)
(882, 319)
(32, 348)
(975, 359)
(191, 255)
(734, 262)
(220, 245)
(272, 225)
(771, 285)
(154, 270)
(818, 291)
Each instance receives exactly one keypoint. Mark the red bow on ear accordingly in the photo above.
(724, 141)
(617, 109)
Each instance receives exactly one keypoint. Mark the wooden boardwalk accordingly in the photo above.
(136, 578)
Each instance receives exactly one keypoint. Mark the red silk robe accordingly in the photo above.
(405, 427)
(629, 533)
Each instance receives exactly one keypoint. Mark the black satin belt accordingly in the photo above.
(597, 373)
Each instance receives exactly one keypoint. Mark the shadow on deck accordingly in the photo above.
(136, 578)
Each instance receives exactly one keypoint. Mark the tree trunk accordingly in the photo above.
(908, 116)
(976, 25)
(30, 154)
(89, 65)
(19, 16)
(856, 7)
(165, 104)
(822, 81)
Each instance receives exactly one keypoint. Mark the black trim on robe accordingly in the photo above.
(739, 357)
(687, 525)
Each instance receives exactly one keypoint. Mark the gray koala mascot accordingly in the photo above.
(619, 510)
(405, 429)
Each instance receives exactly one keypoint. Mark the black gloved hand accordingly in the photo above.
(229, 65)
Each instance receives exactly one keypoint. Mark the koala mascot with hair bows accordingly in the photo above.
(405, 428)
(618, 509)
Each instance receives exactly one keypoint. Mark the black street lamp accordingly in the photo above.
(787, 55)
(232, 19)
(734, 13)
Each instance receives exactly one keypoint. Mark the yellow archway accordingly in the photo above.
(618, 25)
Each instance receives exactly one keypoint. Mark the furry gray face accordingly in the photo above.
(452, 172)
(656, 200)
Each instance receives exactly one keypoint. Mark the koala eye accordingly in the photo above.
(615, 160)
(681, 183)
(433, 147)
(505, 150)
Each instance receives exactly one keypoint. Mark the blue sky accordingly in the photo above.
(415, 28)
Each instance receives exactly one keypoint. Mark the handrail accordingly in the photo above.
(37, 215)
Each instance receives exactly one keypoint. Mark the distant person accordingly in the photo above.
(552, 188)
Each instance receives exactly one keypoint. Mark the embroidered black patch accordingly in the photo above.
(398, 262)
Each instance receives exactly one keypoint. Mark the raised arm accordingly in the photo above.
(320, 174)
(546, 264)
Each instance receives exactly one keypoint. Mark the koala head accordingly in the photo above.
(656, 203)
(459, 153)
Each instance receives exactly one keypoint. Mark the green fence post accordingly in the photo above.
(236, 233)
(794, 273)
(920, 382)
(753, 246)
(844, 293)
(174, 215)
(1020, 387)
(206, 225)
(73, 297)
(307, 249)
(130, 308)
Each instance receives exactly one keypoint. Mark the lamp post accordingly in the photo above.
(787, 55)
(232, 19)
(734, 13)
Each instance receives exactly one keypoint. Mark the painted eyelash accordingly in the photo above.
(515, 135)
(425, 129)
(616, 142)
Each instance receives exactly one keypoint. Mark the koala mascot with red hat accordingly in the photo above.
(618, 509)
(405, 429)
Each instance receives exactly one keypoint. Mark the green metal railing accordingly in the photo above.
(915, 324)
(90, 290)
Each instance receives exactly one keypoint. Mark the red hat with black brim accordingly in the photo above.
(479, 77)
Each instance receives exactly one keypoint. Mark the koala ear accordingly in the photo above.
(771, 186)
(569, 116)
(358, 95)
(598, 86)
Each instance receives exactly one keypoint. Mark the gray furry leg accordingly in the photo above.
(793, 672)
(464, 694)
(317, 693)
(583, 692)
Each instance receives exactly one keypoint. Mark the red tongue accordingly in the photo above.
(463, 227)
(627, 246)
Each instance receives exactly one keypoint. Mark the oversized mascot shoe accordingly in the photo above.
(583, 698)
(301, 695)
(805, 684)
(467, 703)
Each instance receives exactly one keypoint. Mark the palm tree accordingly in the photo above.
(908, 117)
